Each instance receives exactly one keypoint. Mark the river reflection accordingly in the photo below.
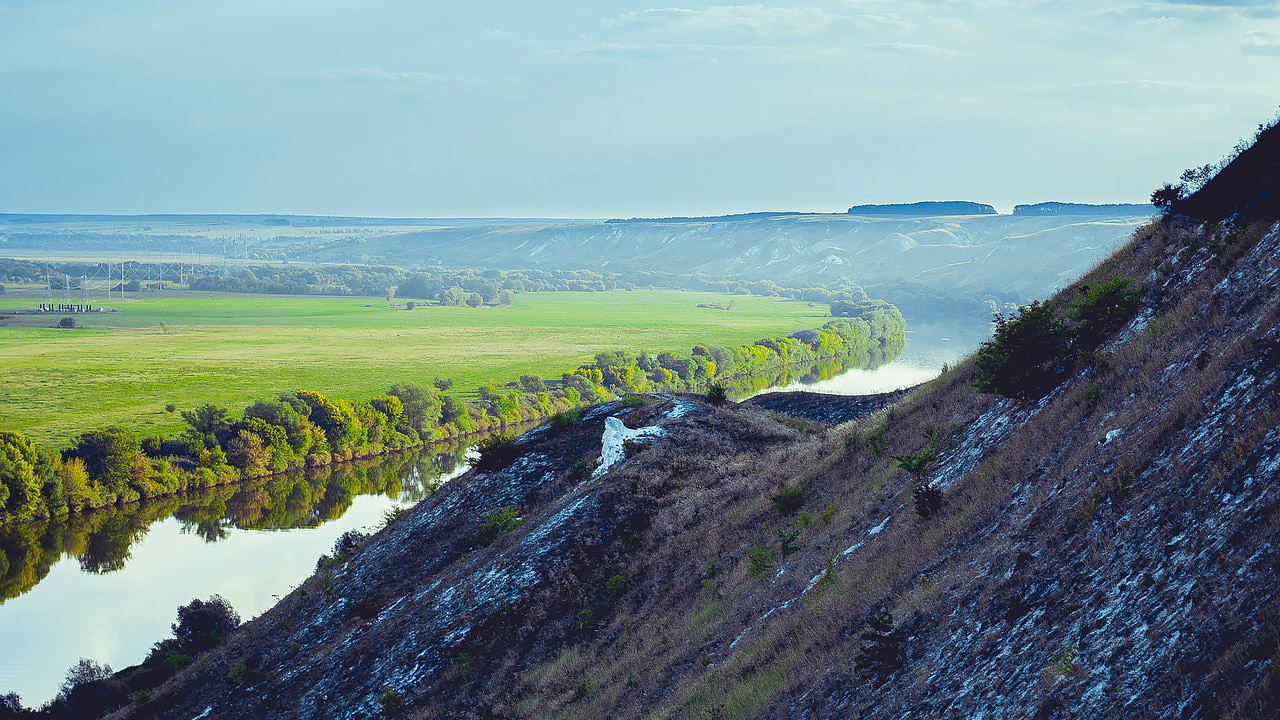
(929, 347)
(107, 585)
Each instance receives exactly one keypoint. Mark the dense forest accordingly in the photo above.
(113, 466)
(445, 285)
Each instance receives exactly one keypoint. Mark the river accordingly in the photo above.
(106, 586)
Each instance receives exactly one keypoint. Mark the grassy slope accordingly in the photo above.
(233, 349)
(1149, 558)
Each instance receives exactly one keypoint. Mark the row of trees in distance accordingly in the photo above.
(445, 285)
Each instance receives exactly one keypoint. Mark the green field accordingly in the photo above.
(192, 348)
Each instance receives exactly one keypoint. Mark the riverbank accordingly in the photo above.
(307, 429)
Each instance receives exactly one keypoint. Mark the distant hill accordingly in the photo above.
(925, 209)
(709, 218)
(1061, 208)
(929, 265)
(936, 265)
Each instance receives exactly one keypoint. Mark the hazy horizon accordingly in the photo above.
(617, 108)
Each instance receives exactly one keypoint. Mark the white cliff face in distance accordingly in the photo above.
(1020, 256)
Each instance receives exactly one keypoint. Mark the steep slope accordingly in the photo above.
(1107, 550)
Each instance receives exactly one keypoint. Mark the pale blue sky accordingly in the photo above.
(617, 108)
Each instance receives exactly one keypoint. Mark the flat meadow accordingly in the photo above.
(190, 348)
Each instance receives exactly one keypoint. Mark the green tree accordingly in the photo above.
(474, 300)
(338, 421)
(453, 296)
(20, 497)
(202, 624)
(420, 406)
(245, 451)
(209, 420)
(111, 457)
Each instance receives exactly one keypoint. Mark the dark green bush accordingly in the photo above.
(883, 650)
(202, 624)
(1026, 355)
(498, 521)
(759, 560)
(565, 419)
(787, 500)
(927, 500)
(1101, 310)
(615, 584)
(497, 452)
(918, 463)
(347, 544)
(717, 394)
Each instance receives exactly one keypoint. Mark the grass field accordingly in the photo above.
(192, 348)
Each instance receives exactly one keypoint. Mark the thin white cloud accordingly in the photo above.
(405, 81)
(1261, 42)
(754, 19)
(900, 48)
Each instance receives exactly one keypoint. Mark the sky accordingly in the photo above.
(612, 108)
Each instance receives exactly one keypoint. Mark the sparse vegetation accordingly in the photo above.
(1064, 661)
(918, 463)
(496, 522)
(787, 542)
(391, 701)
(391, 515)
(1102, 309)
(565, 419)
(875, 442)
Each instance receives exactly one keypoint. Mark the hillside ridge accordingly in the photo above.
(768, 567)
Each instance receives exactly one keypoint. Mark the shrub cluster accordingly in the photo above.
(1030, 351)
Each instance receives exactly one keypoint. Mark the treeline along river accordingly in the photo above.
(104, 582)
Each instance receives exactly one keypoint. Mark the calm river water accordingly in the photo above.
(107, 586)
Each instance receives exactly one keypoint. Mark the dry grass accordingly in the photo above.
(914, 565)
